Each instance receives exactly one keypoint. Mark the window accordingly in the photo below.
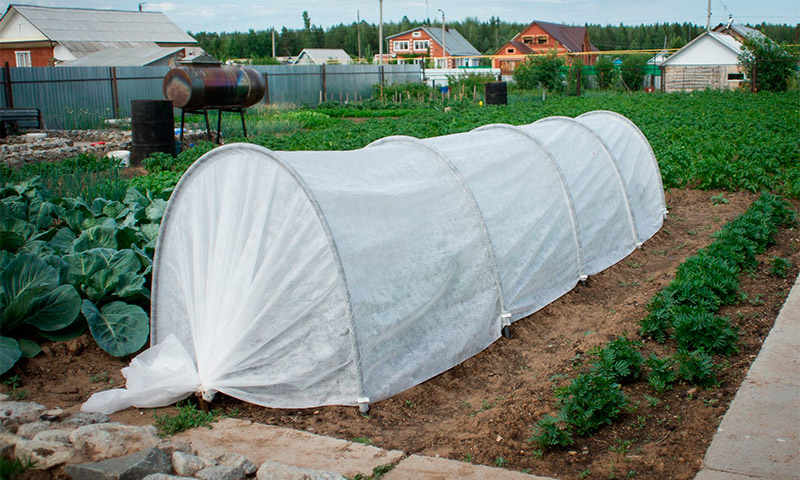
(527, 40)
(401, 45)
(735, 76)
(509, 50)
(421, 45)
(23, 59)
(541, 39)
(416, 34)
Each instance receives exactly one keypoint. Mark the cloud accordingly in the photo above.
(160, 7)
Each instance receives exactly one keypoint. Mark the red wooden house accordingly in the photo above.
(543, 37)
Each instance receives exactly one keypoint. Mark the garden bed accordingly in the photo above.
(483, 410)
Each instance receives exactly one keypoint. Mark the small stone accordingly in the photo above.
(55, 435)
(29, 430)
(188, 464)
(691, 391)
(7, 442)
(171, 446)
(45, 454)
(572, 452)
(106, 440)
(270, 470)
(220, 472)
(52, 415)
(4, 397)
(164, 476)
(129, 467)
(237, 461)
(81, 419)
(15, 413)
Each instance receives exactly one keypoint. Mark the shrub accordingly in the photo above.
(780, 266)
(606, 75)
(632, 72)
(542, 71)
(770, 65)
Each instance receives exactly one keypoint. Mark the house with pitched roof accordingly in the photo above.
(709, 61)
(540, 38)
(422, 43)
(34, 36)
(319, 56)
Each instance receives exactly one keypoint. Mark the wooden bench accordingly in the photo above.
(12, 120)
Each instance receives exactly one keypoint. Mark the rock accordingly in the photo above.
(29, 430)
(106, 440)
(164, 476)
(270, 470)
(3, 396)
(16, 413)
(188, 464)
(133, 466)
(52, 415)
(81, 419)
(237, 461)
(54, 435)
(171, 446)
(7, 442)
(220, 473)
(45, 454)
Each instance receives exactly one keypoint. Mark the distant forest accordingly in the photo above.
(486, 36)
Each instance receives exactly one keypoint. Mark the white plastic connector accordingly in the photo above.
(505, 319)
(639, 246)
(363, 405)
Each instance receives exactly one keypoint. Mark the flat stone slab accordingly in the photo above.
(260, 443)
(716, 475)
(418, 467)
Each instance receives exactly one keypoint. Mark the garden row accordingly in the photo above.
(685, 311)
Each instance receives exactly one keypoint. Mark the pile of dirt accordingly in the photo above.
(483, 410)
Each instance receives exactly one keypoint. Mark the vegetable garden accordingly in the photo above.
(623, 377)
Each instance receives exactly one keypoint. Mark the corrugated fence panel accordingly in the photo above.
(83, 97)
(67, 97)
(139, 83)
(344, 82)
(295, 84)
(3, 87)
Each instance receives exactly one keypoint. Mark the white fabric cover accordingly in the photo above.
(298, 279)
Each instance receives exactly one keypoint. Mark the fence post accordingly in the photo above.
(578, 82)
(663, 78)
(266, 88)
(324, 84)
(7, 84)
(114, 91)
(753, 88)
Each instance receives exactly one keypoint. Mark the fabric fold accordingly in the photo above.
(157, 377)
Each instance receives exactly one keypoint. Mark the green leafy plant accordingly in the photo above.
(696, 367)
(619, 360)
(590, 401)
(542, 71)
(719, 199)
(11, 469)
(780, 266)
(551, 431)
(363, 440)
(188, 417)
(662, 372)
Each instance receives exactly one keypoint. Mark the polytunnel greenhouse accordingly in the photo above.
(299, 279)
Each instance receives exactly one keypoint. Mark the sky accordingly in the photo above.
(242, 15)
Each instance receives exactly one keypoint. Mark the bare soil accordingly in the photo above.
(483, 409)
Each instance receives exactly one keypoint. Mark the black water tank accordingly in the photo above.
(152, 129)
(496, 93)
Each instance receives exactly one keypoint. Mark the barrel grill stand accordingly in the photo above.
(219, 110)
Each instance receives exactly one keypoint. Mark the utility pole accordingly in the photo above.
(444, 42)
(708, 16)
(380, 32)
(273, 42)
(358, 29)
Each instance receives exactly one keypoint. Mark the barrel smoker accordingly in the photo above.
(200, 87)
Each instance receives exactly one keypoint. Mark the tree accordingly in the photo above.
(767, 63)
(540, 71)
(632, 72)
(605, 72)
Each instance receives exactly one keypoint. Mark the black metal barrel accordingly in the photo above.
(496, 93)
(152, 129)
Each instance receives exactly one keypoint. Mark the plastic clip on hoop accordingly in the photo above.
(505, 322)
(363, 405)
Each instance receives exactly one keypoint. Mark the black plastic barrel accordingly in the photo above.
(496, 93)
(152, 129)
